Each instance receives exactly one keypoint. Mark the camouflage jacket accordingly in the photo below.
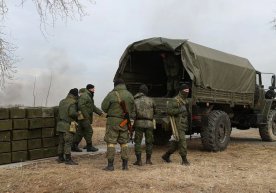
(87, 107)
(144, 111)
(111, 105)
(67, 112)
(174, 109)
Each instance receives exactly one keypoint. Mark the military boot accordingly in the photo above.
(110, 166)
(60, 158)
(69, 161)
(148, 159)
(185, 161)
(166, 157)
(90, 148)
(138, 161)
(124, 164)
(75, 147)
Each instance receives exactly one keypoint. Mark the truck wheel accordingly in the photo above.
(217, 135)
(268, 132)
(161, 136)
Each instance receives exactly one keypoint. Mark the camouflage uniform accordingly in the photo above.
(87, 107)
(144, 110)
(172, 68)
(178, 109)
(67, 114)
(114, 133)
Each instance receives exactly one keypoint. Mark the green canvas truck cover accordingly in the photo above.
(208, 68)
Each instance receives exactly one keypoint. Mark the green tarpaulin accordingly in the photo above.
(208, 68)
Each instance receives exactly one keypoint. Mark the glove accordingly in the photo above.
(182, 108)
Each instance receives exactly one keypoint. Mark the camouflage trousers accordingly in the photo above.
(84, 130)
(65, 142)
(114, 135)
(180, 145)
(148, 139)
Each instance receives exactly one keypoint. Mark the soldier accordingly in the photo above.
(66, 126)
(144, 111)
(81, 91)
(86, 106)
(178, 110)
(115, 116)
(172, 68)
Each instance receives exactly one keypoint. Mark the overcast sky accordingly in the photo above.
(88, 51)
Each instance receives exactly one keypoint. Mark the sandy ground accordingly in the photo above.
(248, 165)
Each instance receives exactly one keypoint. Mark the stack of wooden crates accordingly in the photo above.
(27, 134)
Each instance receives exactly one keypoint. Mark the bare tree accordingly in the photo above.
(49, 11)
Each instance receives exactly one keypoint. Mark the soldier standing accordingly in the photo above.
(144, 111)
(86, 106)
(178, 110)
(115, 116)
(66, 126)
(172, 70)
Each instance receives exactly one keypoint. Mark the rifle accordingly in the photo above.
(126, 120)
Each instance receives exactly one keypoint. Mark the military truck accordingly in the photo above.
(226, 90)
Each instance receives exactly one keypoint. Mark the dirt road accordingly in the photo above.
(248, 165)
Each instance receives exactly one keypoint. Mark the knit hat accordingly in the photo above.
(74, 92)
(118, 81)
(144, 89)
(89, 86)
(184, 87)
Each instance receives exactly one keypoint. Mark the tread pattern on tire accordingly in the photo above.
(208, 135)
(266, 131)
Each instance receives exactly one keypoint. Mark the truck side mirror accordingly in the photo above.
(273, 81)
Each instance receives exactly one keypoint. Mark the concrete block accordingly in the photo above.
(50, 142)
(5, 125)
(19, 145)
(4, 113)
(19, 156)
(34, 133)
(50, 152)
(35, 154)
(5, 158)
(19, 134)
(47, 112)
(48, 132)
(49, 122)
(17, 113)
(20, 124)
(34, 144)
(34, 112)
(5, 136)
(5, 147)
(35, 123)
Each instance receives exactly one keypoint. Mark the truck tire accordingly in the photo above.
(161, 136)
(268, 132)
(217, 135)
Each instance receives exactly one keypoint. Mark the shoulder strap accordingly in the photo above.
(118, 96)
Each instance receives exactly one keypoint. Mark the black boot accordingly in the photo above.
(124, 165)
(166, 157)
(185, 161)
(110, 166)
(148, 159)
(75, 147)
(60, 158)
(69, 161)
(138, 161)
(90, 148)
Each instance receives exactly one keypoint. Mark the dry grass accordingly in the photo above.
(243, 167)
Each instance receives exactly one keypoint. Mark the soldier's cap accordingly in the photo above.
(74, 92)
(144, 89)
(118, 81)
(184, 87)
(82, 90)
(90, 86)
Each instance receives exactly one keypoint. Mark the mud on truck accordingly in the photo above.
(226, 90)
